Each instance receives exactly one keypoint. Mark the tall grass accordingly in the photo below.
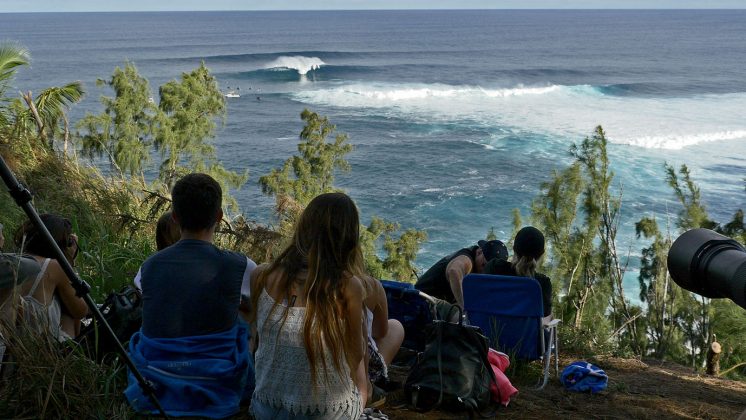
(50, 380)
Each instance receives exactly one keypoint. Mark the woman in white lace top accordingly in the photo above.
(307, 311)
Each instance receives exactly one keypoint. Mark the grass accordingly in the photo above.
(46, 379)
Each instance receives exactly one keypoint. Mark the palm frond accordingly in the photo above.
(51, 102)
(12, 55)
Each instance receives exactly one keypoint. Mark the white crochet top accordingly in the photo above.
(283, 373)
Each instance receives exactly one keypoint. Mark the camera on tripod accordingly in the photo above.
(709, 264)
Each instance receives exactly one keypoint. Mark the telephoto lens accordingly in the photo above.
(709, 264)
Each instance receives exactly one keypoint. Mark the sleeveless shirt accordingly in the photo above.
(283, 373)
(435, 283)
(45, 316)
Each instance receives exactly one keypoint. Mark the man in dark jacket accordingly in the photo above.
(443, 280)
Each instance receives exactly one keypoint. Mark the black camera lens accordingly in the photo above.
(709, 264)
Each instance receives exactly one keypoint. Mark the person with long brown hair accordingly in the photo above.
(307, 311)
(51, 301)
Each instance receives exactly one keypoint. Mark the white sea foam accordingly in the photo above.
(298, 63)
(678, 142)
(556, 111)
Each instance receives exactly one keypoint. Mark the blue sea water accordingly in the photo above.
(457, 117)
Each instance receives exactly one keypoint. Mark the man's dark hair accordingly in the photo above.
(196, 201)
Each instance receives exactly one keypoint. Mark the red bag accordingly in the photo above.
(503, 390)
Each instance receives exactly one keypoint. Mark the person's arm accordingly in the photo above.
(256, 290)
(247, 275)
(353, 293)
(73, 305)
(138, 279)
(456, 270)
(244, 306)
(380, 311)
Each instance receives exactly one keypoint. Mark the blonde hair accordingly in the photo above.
(524, 266)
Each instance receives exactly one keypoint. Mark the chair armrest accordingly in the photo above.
(550, 323)
(428, 298)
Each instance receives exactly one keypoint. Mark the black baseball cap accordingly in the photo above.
(529, 242)
(493, 249)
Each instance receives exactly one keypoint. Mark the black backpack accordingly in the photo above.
(453, 371)
(123, 312)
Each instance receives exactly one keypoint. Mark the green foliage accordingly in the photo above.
(179, 128)
(189, 109)
(401, 253)
(693, 214)
(12, 56)
(729, 326)
(124, 132)
(49, 108)
(735, 228)
(491, 235)
(53, 382)
(311, 172)
(657, 290)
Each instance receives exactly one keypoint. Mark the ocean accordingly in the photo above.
(457, 117)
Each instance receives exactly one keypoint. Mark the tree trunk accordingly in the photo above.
(67, 133)
(29, 98)
(580, 307)
(713, 358)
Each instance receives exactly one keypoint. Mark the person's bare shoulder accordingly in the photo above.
(462, 262)
(354, 288)
(258, 270)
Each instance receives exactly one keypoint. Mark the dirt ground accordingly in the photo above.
(637, 389)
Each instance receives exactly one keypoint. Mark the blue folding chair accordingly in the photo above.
(410, 307)
(509, 310)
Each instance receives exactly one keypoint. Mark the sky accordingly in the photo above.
(10, 6)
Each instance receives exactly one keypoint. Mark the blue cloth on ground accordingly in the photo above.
(203, 376)
(582, 376)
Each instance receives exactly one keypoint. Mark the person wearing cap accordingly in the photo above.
(528, 248)
(443, 280)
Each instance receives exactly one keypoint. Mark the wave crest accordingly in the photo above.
(675, 142)
(556, 111)
(299, 63)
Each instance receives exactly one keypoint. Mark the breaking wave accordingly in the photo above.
(553, 110)
(299, 63)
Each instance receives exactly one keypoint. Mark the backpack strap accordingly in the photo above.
(39, 277)
(440, 363)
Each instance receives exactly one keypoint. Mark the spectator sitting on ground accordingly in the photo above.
(14, 270)
(444, 279)
(167, 233)
(50, 300)
(192, 344)
(528, 248)
(384, 337)
(307, 307)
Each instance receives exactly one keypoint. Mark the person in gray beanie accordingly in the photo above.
(528, 248)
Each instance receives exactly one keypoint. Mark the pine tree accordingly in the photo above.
(311, 172)
(658, 291)
(124, 132)
(190, 109)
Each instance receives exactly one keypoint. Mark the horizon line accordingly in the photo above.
(375, 10)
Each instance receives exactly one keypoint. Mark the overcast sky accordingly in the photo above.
(165, 5)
